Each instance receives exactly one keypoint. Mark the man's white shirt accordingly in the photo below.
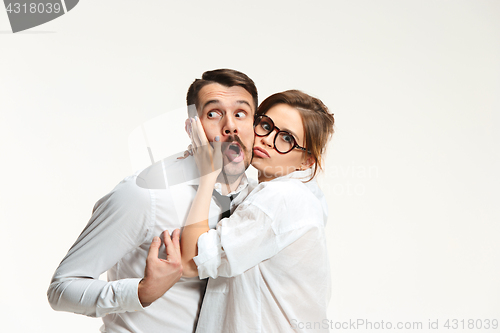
(117, 240)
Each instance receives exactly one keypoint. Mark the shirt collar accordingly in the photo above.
(299, 174)
(243, 184)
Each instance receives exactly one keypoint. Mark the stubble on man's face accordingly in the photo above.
(232, 171)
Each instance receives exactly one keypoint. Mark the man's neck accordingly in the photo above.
(229, 184)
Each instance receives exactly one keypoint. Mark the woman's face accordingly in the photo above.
(266, 159)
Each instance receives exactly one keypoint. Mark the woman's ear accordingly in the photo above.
(308, 162)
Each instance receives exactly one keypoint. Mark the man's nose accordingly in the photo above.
(230, 126)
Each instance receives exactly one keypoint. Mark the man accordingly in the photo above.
(118, 237)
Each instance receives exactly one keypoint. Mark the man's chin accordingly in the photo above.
(233, 170)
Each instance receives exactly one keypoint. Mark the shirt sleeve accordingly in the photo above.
(263, 225)
(120, 222)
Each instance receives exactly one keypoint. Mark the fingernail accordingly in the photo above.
(196, 118)
(217, 138)
(156, 239)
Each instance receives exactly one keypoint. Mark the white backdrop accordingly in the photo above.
(411, 175)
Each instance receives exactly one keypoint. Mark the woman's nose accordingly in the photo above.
(268, 139)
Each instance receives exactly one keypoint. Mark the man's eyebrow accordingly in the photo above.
(244, 102)
(212, 101)
(216, 101)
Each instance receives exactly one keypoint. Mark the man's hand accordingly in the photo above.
(160, 274)
(187, 153)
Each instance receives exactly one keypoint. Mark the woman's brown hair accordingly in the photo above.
(317, 119)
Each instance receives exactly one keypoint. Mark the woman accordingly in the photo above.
(268, 261)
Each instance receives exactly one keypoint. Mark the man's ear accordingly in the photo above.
(308, 162)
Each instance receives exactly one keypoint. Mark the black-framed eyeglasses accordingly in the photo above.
(284, 142)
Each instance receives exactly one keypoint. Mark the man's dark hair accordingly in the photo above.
(226, 77)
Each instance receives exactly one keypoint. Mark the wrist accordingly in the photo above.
(140, 293)
(208, 181)
(144, 293)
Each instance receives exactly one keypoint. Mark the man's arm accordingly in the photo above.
(120, 223)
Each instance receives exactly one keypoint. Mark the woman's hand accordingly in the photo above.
(208, 158)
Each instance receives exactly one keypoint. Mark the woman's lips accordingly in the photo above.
(259, 152)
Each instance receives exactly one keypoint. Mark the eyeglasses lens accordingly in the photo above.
(284, 142)
(264, 126)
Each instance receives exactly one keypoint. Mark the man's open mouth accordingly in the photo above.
(234, 153)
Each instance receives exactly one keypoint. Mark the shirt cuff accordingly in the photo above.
(130, 296)
(210, 250)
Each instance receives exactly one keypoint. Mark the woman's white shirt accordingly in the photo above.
(268, 263)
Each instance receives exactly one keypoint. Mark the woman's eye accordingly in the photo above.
(266, 127)
(287, 138)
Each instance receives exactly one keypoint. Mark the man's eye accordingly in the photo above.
(241, 114)
(211, 114)
(266, 127)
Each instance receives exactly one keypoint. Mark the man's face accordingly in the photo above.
(228, 112)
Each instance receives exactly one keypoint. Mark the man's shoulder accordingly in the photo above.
(167, 172)
(127, 192)
(252, 184)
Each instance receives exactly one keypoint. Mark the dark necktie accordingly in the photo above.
(224, 203)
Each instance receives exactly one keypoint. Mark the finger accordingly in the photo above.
(192, 134)
(176, 240)
(201, 131)
(186, 154)
(204, 143)
(217, 156)
(169, 246)
(187, 126)
(154, 248)
(195, 137)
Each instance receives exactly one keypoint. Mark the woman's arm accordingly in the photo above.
(209, 162)
(275, 216)
(196, 225)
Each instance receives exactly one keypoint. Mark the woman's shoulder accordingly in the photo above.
(287, 188)
(285, 197)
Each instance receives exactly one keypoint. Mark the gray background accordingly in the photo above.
(411, 175)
